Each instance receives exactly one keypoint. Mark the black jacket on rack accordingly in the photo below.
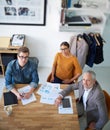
(99, 50)
(92, 51)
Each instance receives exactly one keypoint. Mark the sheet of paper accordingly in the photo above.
(32, 97)
(68, 110)
(49, 92)
(47, 100)
(48, 88)
(50, 99)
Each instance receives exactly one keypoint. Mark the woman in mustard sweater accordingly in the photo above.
(66, 68)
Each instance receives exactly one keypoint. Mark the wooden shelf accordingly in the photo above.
(8, 51)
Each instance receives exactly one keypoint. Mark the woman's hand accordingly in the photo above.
(52, 79)
(66, 81)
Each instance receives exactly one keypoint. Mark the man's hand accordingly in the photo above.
(19, 96)
(92, 125)
(26, 95)
(58, 101)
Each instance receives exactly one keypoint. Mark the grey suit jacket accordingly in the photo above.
(79, 49)
(95, 106)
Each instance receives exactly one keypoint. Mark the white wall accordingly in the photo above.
(44, 41)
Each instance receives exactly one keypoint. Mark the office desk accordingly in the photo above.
(38, 116)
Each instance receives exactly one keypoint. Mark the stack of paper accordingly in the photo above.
(49, 92)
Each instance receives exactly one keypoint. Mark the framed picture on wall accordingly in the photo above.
(23, 12)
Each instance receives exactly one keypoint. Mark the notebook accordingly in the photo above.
(78, 21)
(10, 99)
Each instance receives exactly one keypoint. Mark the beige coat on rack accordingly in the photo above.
(79, 48)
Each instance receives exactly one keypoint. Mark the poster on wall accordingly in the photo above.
(23, 12)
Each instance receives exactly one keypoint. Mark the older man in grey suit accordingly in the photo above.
(91, 106)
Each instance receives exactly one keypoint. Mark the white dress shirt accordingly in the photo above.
(85, 95)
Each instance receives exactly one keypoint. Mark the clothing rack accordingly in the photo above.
(88, 48)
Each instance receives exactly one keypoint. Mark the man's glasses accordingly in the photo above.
(22, 57)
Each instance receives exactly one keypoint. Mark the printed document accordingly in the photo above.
(48, 88)
(49, 92)
(49, 99)
(25, 90)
